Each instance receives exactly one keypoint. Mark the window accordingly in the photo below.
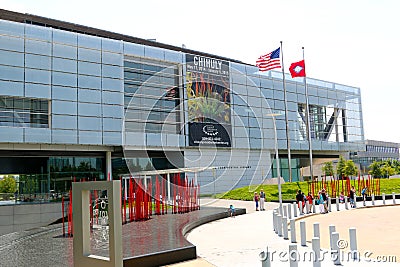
(152, 96)
(24, 112)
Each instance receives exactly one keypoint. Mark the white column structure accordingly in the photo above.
(81, 220)
(169, 186)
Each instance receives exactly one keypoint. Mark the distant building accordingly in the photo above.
(375, 151)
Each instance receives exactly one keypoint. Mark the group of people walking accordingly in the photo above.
(321, 200)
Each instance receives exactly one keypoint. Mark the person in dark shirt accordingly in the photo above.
(352, 196)
(325, 198)
(300, 198)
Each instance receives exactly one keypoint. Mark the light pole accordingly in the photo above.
(278, 166)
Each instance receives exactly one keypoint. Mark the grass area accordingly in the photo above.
(289, 190)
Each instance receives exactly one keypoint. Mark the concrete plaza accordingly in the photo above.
(238, 241)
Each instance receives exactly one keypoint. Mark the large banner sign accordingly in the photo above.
(209, 108)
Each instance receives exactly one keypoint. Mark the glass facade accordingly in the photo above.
(58, 173)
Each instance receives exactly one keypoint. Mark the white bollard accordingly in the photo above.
(289, 211)
(294, 209)
(285, 228)
(346, 204)
(292, 231)
(353, 243)
(274, 221)
(316, 247)
(373, 199)
(337, 204)
(280, 210)
(329, 204)
(293, 255)
(279, 224)
(265, 258)
(313, 206)
(336, 250)
(332, 229)
(384, 198)
(307, 207)
(316, 230)
(285, 211)
(394, 198)
(355, 201)
(303, 233)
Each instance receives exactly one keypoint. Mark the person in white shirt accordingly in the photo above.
(262, 199)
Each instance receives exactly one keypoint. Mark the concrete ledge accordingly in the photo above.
(162, 257)
(190, 226)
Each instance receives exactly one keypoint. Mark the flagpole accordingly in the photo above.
(308, 124)
(286, 118)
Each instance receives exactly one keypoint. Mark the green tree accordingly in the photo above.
(8, 185)
(340, 167)
(350, 168)
(396, 166)
(375, 169)
(387, 168)
(327, 168)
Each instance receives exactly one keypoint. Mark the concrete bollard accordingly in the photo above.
(295, 209)
(394, 198)
(274, 214)
(316, 247)
(307, 207)
(337, 204)
(289, 212)
(280, 210)
(303, 233)
(332, 229)
(355, 201)
(279, 224)
(346, 204)
(353, 243)
(329, 204)
(293, 255)
(265, 258)
(364, 203)
(285, 228)
(373, 199)
(316, 230)
(313, 206)
(336, 250)
(384, 198)
(285, 211)
(292, 231)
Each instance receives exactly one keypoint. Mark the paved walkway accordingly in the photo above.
(238, 241)
(378, 229)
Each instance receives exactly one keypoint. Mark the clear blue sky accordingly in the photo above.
(353, 42)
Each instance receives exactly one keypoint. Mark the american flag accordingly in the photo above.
(269, 61)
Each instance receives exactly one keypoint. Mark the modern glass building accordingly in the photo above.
(82, 102)
(375, 151)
